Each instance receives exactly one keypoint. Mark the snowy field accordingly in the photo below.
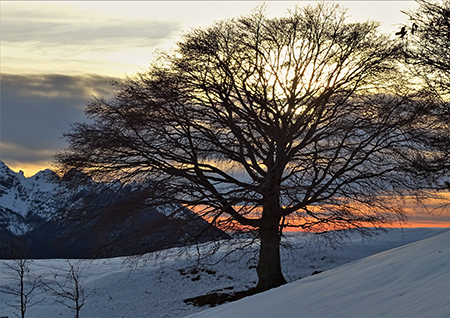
(409, 281)
(393, 283)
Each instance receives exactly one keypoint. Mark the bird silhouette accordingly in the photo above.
(414, 28)
(402, 32)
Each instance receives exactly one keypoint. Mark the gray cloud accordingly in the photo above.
(19, 154)
(59, 39)
(87, 33)
(37, 109)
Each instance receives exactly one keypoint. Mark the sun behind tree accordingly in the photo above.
(302, 117)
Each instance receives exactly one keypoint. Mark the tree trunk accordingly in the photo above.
(269, 266)
(22, 270)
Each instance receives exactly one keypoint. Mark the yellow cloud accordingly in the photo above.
(29, 169)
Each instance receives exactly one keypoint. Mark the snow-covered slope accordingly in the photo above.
(27, 202)
(408, 281)
(21, 194)
(157, 290)
(45, 216)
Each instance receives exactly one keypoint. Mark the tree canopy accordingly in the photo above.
(427, 56)
(428, 43)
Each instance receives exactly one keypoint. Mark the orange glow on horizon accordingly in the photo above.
(29, 169)
(417, 217)
(408, 224)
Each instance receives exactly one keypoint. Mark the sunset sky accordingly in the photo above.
(56, 55)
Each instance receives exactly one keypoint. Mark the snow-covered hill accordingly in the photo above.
(412, 280)
(408, 281)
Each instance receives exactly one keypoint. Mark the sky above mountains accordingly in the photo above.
(57, 55)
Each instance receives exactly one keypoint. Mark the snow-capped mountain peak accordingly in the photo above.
(23, 199)
(74, 216)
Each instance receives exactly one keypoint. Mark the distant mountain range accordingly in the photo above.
(45, 216)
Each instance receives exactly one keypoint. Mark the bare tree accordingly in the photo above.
(24, 284)
(429, 36)
(266, 123)
(427, 53)
(67, 286)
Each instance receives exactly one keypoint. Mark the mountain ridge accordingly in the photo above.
(47, 216)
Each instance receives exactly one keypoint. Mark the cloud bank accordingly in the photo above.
(45, 38)
(37, 109)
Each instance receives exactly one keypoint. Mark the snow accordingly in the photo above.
(24, 201)
(408, 281)
(388, 276)
(26, 194)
